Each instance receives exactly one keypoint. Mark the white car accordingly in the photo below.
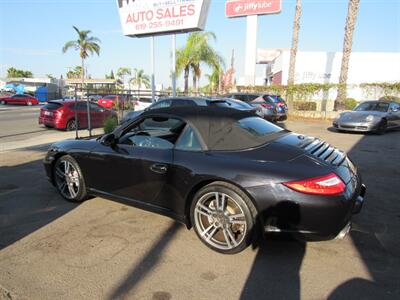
(142, 103)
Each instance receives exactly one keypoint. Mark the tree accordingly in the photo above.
(15, 73)
(140, 79)
(122, 72)
(351, 20)
(293, 50)
(75, 72)
(197, 51)
(50, 76)
(111, 76)
(86, 45)
(214, 80)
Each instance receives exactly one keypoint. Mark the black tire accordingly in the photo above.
(382, 127)
(71, 125)
(3, 102)
(48, 126)
(231, 229)
(62, 183)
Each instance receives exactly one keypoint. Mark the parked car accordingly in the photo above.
(370, 116)
(60, 114)
(22, 99)
(110, 101)
(227, 173)
(271, 107)
(142, 103)
(280, 103)
(195, 101)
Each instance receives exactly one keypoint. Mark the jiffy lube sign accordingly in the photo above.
(152, 17)
(240, 8)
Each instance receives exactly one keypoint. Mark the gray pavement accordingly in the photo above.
(19, 128)
(100, 249)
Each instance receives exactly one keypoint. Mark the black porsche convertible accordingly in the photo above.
(226, 173)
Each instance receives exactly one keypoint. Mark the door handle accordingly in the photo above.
(159, 168)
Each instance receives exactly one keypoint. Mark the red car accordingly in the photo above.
(110, 101)
(20, 99)
(61, 114)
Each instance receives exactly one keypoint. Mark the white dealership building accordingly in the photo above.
(324, 67)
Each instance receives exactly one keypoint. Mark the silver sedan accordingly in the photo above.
(370, 116)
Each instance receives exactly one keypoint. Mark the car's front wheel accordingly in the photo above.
(69, 180)
(382, 127)
(223, 217)
(3, 102)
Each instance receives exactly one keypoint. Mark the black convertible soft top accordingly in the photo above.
(223, 128)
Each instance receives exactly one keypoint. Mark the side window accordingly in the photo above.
(154, 132)
(183, 103)
(161, 104)
(188, 141)
(394, 106)
(95, 107)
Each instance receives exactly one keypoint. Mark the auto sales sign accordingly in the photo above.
(241, 8)
(154, 17)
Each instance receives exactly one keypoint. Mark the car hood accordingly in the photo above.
(69, 145)
(359, 115)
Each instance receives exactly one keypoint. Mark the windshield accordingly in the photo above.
(373, 106)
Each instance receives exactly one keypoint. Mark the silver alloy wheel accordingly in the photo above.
(220, 221)
(29, 103)
(67, 179)
(3, 102)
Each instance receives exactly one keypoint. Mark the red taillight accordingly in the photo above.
(281, 104)
(59, 112)
(266, 105)
(329, 184)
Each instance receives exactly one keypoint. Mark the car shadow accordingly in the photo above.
(376, 230)
(27, 201)
(275, 273)
(147, 263)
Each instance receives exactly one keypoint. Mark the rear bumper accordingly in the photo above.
(52, 123)
(308, 217)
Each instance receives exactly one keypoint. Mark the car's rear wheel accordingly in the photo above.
(382, 127)
(223, 217)
(3, 102)
(69, 180)
(29, 103)
(71, 125)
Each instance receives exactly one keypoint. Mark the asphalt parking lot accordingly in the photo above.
(100, 249)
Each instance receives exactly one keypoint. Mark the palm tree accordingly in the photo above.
(86, 45)
(293, 50)
(122, 72)
(140, 79)
(197, 51)
(351, 20)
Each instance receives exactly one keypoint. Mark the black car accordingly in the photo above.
(273, 106)
(225, 172)
(195, 101)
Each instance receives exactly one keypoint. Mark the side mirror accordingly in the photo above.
(108, 140)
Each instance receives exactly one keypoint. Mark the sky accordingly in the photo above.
(32, 33)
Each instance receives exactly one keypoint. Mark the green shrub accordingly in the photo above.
(110, 124)
(305, 105)
(350, 103)
(390, 98)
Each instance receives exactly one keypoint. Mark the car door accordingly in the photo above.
(16, 99)
(97, 115)
(137, 167)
